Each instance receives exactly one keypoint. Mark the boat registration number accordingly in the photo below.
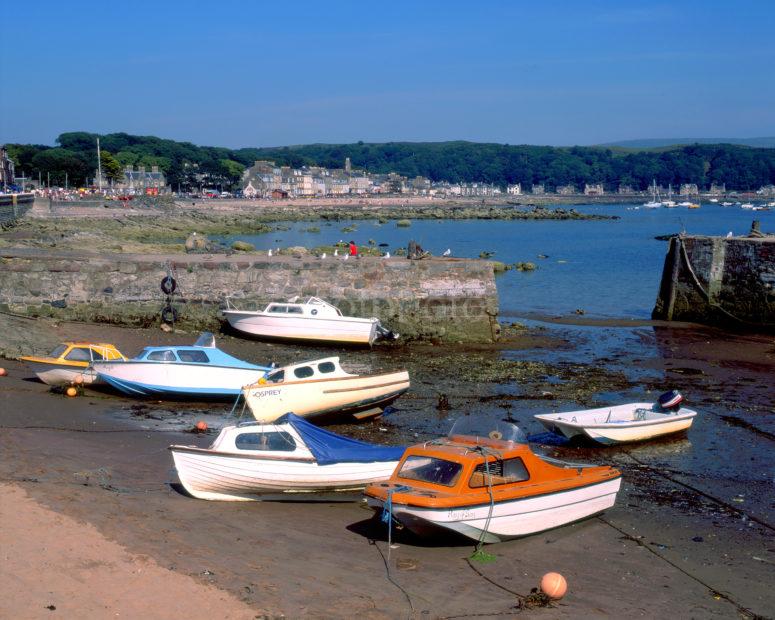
(458, 515)
(265, 393)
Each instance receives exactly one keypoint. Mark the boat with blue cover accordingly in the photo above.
(288, 459)
(201, 370)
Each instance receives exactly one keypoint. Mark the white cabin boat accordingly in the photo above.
(287, 460)
(622, 423)
(322, 388)
(313, 319)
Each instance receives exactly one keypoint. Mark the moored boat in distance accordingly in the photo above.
(200, 370)
(313, 319)
(489, 486)
(654, 203)
(291, 459)
(623, 423)
(71, 362)
(321, 388)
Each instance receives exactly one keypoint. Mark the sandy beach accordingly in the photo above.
(95, 524)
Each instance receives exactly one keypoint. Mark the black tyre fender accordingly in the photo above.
(168, 285)
(169, 314)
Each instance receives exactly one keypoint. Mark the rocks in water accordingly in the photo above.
(243, 246)
(196, 242)
(404, 223)
(528, 266)
(499, 267)
(485, 254)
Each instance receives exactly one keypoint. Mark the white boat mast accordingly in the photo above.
(99, 165)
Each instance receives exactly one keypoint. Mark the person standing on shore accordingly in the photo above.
(353, 249)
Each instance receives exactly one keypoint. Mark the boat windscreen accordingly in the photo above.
(430, 469)
(482, 430)
(58, 351)
(206, 339)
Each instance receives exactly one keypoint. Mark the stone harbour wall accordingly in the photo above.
(436, 298)
(13, 207)
(719, 281)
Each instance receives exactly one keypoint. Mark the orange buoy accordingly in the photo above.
(71, 391)
(201, 426)
(3, 372)
(554, 585)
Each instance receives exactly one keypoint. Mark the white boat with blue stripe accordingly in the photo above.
(198, 371)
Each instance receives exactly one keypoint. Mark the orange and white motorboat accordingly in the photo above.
(489, 486)
(71, 361)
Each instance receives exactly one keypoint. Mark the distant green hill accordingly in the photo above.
(654, 143)
(189, 166)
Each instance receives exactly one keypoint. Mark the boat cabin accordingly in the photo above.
(203, 351)
(465, 468)
(261, 439)
(326, 368)
(83, 352)
(312, 308)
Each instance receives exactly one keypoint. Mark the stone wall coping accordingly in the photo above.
(241, 257)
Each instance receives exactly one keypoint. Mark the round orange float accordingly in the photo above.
(201, 426)
(71, 391)
(554, 585)
(3, 372)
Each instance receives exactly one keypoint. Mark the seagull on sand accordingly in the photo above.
(447, 252)
(269, 253)
(336, 251)
(387, 255)
(729, 234)
(323, 255)
(346, 256)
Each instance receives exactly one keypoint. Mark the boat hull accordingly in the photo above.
(593, 425)
(53, 373)
(138, 378)
(350, 330)
(210, 475)
(347, 395)
(509, 519)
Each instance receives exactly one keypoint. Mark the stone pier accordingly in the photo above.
(13, 207)
(719, 281)
(434, 298)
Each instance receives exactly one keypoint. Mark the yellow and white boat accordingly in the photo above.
(71, 362)
(322, 389)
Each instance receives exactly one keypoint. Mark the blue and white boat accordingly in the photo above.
(198, 371)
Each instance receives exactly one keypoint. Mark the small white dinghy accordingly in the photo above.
(290, 459)
(313, 319)
(321, 388)
(623, 423)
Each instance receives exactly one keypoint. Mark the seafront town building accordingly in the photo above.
(266, 179)
(6, 170)
(140, 181)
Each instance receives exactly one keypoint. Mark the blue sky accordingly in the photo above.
(257, 73)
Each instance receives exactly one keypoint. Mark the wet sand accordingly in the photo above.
(90, 496)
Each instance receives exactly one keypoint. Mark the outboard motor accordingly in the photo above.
(387, 334)
(671, 400)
